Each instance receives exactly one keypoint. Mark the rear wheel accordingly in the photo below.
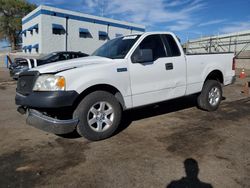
(99, 115)
(210, 96)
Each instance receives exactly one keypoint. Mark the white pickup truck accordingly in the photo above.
(89, 94)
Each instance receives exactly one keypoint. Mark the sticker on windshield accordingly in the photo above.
(129, 37)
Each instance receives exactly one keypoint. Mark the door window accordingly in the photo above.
(154, 43)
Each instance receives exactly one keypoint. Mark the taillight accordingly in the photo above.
(234, 64)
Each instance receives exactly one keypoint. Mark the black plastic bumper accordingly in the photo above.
(48, 124)
(14, 73)
(47, 99)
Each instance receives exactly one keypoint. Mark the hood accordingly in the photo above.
(71, 64)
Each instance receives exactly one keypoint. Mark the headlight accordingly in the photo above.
(50, 82)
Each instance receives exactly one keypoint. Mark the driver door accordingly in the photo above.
(154, 81)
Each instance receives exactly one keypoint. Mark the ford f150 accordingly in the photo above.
(89, 94)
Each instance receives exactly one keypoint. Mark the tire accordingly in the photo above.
(211, 95)
(99, 115)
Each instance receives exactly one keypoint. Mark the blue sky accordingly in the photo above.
(187, 18)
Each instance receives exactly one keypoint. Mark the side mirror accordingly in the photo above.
(142, 56)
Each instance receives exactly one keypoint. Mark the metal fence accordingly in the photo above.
(239, 43)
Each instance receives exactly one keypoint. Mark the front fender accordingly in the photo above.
(81, 79)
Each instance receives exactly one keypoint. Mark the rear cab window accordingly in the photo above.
(171, 46)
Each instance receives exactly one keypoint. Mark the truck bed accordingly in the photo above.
(206, 63)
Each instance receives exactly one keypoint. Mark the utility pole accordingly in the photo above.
(101, 5)
(66, 34)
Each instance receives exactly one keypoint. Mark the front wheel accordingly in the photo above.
(210, 96)
(99, 115)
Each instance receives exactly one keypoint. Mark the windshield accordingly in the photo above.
(117, 48)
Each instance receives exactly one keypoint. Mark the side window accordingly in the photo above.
(80, 55)
(72, 56)
(62, 57)
(154, 43)
(172, 47)
(66, 56)
(54, 58)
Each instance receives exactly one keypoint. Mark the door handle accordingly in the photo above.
(169, 66)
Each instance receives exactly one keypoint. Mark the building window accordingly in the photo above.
(36, 46)
(58, 29)
(29, 48)
(36, 28)
(84, 33)
(103, 35)
(32, 28)
(25, 49)
(23, 33)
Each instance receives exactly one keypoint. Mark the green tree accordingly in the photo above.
(11, 14)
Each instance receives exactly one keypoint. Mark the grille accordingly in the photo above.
(26, 81)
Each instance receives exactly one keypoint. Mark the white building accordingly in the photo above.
(48, 29)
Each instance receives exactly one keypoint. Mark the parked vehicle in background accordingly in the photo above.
(22, 64)
(89, 94)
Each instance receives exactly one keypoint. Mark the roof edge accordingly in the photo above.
(51, 8)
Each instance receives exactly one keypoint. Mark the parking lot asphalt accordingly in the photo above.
(149, 151)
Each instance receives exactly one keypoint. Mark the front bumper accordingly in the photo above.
(47, 99)
(49, 124)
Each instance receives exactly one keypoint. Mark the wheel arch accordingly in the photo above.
(102, 87)
(215, 75)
